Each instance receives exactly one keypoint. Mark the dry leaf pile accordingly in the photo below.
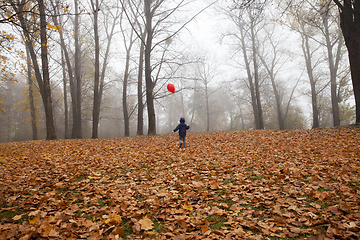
(299, 184)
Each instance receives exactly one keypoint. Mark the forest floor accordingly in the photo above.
(264, 184)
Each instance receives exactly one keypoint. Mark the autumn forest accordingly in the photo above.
(95, 68)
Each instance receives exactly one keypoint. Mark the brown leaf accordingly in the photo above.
(335, 210)
(204, 228)
(119, 231)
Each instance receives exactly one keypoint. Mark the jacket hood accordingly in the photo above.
(182, 119)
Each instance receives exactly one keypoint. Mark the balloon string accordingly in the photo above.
(177, 105)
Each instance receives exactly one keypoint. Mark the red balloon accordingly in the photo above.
(171, 88)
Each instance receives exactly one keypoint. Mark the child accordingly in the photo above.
(182, 127)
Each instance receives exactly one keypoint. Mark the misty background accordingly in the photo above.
(276, 65)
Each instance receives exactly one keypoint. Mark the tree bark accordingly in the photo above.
(77, 125)
(96, 106)
(307, 56)
(125, 84)
(333, 66)
(249, 76)
(278, 103)
(260, 119)
(350, 26)
(66, 111)
(140, 124)
(148, 70)
(207, 107)
(31, 98)
(50, 126)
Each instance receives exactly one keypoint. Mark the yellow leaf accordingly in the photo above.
(59, 28)
(187, 207)
(117, 218)
(65, 10)
(113, 219)
(34, 220)
(74, 33)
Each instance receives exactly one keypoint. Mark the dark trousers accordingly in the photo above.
(182, 141)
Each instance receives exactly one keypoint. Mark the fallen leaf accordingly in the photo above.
(17, 217)
(146, 224)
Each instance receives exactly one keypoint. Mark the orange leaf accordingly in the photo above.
(34, 220)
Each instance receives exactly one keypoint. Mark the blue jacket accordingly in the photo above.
(182, 127)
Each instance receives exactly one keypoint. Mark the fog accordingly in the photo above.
(233, 69)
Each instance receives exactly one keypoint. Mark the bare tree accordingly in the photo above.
(99, 75)
(205, 72)
(272, 60)
(128, 43)
(246, 23)
(157, 21)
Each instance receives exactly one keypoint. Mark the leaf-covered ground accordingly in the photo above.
(300, 184)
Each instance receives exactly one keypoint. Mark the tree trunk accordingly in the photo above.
(66, 111)
(31, 98)
(207, 108)
(333, 71)
(350, 26)
(278, 104)
(50, 126)
(148, 71)
(125, 84)
(249, 76)
(128, 48)
(77, 125)
(140, 125)
(96, 108)
(354, 57)
(260, 119)
(307, 56)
